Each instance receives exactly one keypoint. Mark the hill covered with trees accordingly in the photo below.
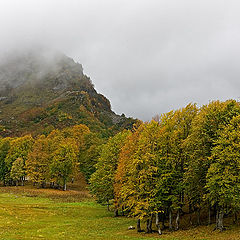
(42, 90)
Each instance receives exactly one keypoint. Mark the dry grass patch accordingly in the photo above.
(68, 196)
(77, 191)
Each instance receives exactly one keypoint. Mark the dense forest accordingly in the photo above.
(53, 159)
(183, 162)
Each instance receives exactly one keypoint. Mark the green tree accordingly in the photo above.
(207, 125)
(223, 177)
(172, 159)
(139, 187)
(19, 148)
(89, 153)
(4, 148)
(18, 173)
(101, 181)
(64, 162)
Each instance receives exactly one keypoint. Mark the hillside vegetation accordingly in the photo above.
(41, 90)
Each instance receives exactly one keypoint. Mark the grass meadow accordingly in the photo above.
(29, 213)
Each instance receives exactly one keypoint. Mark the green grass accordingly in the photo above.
(24, 217)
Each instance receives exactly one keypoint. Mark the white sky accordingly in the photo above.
(146, 56)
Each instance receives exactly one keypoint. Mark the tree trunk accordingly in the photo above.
(189, 208)
(198, 216)
(216, 220)
(190, 219)
(122, 211)
(148, 226)
(158, 224)
(209, 215)
(163, 221)
(235, 218)
(116, 213)
(138, 225)
(65, 185)
(177, 220)
(219, 220)
(170, 220)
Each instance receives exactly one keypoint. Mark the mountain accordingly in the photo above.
(41, 90)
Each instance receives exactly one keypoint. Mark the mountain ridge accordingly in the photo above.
(41, 91)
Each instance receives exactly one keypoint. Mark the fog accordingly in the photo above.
(146, 56)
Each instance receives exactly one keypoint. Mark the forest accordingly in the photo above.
(53, 159)
(184, 162)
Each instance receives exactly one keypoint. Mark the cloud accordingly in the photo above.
(146, 56)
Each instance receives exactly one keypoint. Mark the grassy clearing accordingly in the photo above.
(25, 217)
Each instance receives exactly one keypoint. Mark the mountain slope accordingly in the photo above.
(42, 90)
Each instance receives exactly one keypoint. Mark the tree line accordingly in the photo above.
(50, 159)
(184, 162)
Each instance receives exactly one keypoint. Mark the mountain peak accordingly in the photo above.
(42, 89)
(35, 65)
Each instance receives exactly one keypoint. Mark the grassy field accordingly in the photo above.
(54, 214)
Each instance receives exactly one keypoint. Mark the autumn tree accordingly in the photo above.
(19, 148)
(38, 161)
(64, 162)
(18, 172)
(87, 144)
(174, 128)
(101, 181)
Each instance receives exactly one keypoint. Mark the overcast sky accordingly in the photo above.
(147, 56)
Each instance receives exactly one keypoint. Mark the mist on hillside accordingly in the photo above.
(33, 65)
